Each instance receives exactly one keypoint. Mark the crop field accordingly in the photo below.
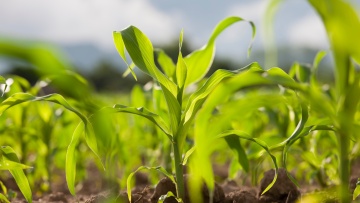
(244, 135)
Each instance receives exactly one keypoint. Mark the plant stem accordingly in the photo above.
(344, 169)
(178, 172)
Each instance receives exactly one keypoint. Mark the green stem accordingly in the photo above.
(180, 189)
(344, 167)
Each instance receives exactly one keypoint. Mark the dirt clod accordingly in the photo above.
(166, 185)
(241, 196)
(283, 191)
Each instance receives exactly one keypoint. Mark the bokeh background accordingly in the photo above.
(82, 31)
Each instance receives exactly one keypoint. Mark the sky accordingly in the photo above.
(69, 22)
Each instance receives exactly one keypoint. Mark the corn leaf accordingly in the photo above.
(70, 165)
(22, 182)
(199, 61)
(243, 135)
(141, 111)
(234, 143)
(2, 80)
(197, 99)
(120, 47)
(141, 52)
(158, 168)
(90, 138)
(343, 28)
(162, 198)
(181, 69)
(3, 199)
(166, 63)
(357, 190)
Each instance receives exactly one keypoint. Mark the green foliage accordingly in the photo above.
(188, 70)
(256, 118)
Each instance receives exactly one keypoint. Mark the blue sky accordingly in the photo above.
(69, 22)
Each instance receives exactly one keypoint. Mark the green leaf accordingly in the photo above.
(90, 138)
(181, 69)
(318, 58)
(70, 165)
(187, 155)
(141, 111)
(343, 28)
(199, 61)
(137, 96)
(3, 199)
(166, 63)
(158, 168)
(234, 143)
(198, 98)
(243, 135)
(162, 198)
(18, 174)
(141, 52)
(2, 80)
(357, 190)
(120, 47)
(181, 72)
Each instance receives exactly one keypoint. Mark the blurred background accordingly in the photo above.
(81, 33)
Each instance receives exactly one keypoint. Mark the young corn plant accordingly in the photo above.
(342, 25)
(173, 80)
(48, 64)
(9, 161)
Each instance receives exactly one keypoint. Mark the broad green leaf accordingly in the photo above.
(199, 61)
(166, 63)
(70, 165)
(174, 109)
(141, 111)
(234, 144)
(159, 168)
(120, 47)
(9, 165)
(357, 190)
(18, 174)
(278, 76)
(141, 52)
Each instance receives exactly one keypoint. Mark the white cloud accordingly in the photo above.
(308, 31)
(252, 11)
(69, 21)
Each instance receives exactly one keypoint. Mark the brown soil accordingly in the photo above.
(283, 191)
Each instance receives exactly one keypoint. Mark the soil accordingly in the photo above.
(283, 191)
